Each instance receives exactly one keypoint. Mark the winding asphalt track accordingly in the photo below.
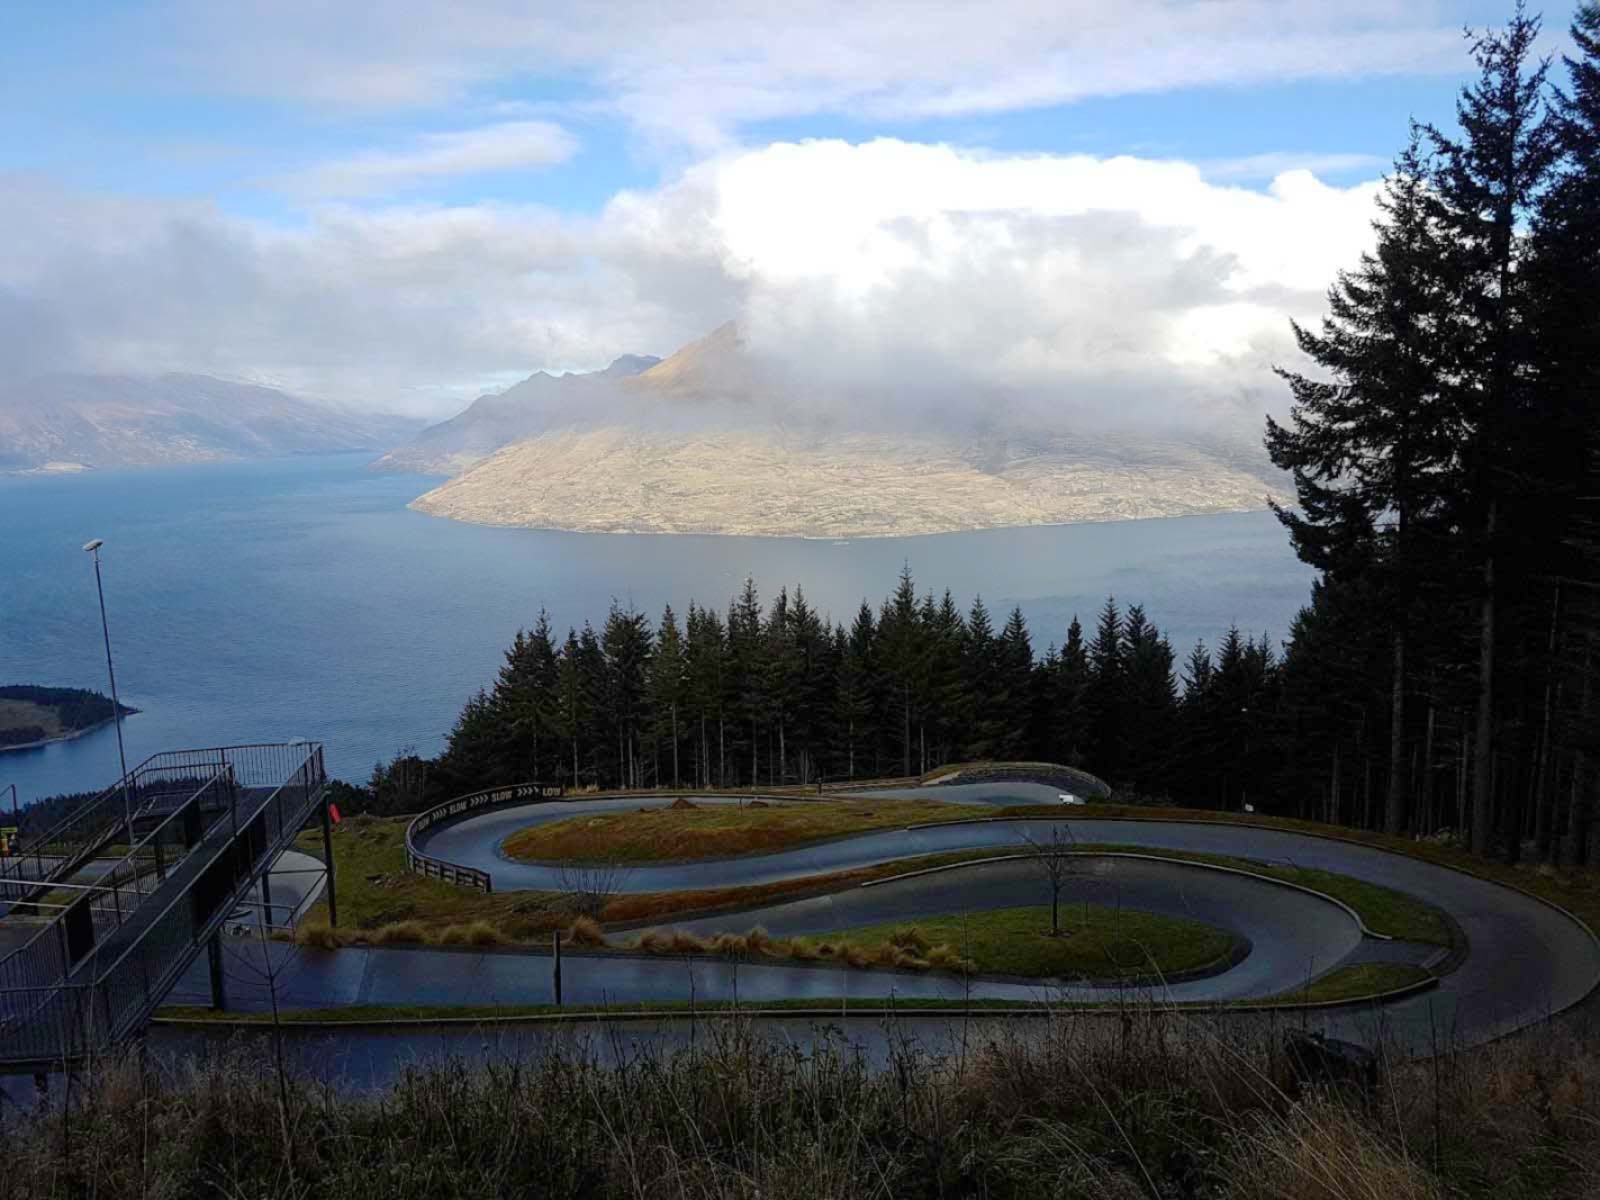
(1526, 960)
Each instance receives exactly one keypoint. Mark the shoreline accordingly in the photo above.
(416, 507)
(69, 736)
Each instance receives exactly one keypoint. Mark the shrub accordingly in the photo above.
(319, 936)
(910, 938)
(478, 933)
(399, 933)
(586, 931)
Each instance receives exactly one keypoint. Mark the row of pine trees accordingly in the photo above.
(1446, 466)
(774, 695)
(1445, 459)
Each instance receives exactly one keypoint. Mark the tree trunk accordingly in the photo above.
(1333, 789)
(1544, 798)
(1429, 783)
(674, 745)
(905, 734)
(1395, 809)
(1580, 811)
(1483, 733)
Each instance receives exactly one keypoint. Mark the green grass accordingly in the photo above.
(1344, 984)
(356, 1014)
(720, 830)
(1096, 942)
(377, 892)
(1356, 982)
(1383, 910)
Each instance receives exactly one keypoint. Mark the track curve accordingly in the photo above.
(1526, 959)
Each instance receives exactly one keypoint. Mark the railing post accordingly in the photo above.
(327, 857)
(219, 1000)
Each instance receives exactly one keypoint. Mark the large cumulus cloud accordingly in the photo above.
(878, 278)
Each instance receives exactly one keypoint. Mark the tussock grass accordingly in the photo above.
(478, 933)
(400, 933)
(1154, 1104)
(586, 931)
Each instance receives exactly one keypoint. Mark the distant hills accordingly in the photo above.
(501, 418)
(31, 715)
(705, 442)
(69, 422)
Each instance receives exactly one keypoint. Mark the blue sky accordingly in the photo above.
(389, 132)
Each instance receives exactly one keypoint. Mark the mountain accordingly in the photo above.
(704, 442)
(776, 483)
(71, 422)
(501, 418)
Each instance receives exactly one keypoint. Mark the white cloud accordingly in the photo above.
(879, 276)
(692, 71)
(500, 147)
(1274, 163)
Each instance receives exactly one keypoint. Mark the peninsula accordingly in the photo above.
(33, 716)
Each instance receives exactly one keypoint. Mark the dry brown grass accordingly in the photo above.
(478, 933)
(400, 933)
(1154, 1104)
(719, 831)
(586, 931)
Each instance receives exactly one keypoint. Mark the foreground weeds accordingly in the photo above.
(1146, 1105)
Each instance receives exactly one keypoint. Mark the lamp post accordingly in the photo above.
(111, 672)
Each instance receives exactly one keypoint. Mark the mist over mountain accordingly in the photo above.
(718, 438)
(499, 418)
(67, 422)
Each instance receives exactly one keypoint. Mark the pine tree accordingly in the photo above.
(902, 656)
(1014, 659)
(854, 707)
(669, 681)
(1105, 697)
(1487, 182)
(987, 699)
(747, 671)
(1369, 447)
(1072, 684)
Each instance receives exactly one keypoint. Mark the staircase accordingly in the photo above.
(114, 903)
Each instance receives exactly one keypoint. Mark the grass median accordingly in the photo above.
(685, 831)
(380, 901)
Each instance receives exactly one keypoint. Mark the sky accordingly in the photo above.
(401, 204)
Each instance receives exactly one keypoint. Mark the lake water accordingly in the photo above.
(300, 598)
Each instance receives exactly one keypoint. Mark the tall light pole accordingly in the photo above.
(111, 672)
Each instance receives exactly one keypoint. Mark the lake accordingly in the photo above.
(300, 598)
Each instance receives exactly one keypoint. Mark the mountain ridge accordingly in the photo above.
(75, 421)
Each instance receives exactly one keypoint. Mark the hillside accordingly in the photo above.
(30, 714)
(501, 418)
(780, 484)
(699, 443)
(72, 422)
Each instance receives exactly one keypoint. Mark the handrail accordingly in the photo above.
(110, 964)
(277, 792)
(45, 929)
(438, 868)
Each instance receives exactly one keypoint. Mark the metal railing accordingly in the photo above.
(439, 868)
(97, 971)
(151, 788)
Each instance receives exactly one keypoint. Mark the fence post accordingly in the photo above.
(327, 855)
(219, 1000)
(555, 942)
